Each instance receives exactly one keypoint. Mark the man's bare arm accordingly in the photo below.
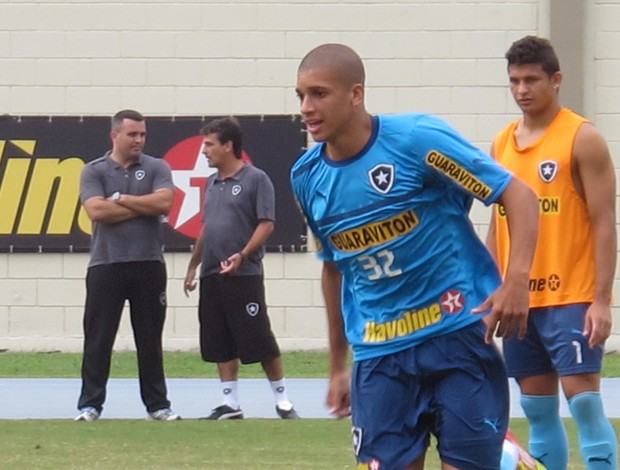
(509, 304)
(106, 211)
(158, 202)
(596, 182)
(338, 398)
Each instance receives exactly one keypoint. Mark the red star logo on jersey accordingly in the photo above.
(452, 301)
(554, 282)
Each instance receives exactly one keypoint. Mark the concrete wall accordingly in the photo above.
(194, 57)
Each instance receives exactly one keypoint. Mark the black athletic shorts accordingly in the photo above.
(233, 320)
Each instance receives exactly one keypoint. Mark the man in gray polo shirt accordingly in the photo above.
(239, 216)
(125, 193)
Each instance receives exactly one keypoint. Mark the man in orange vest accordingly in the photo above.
(566, 161)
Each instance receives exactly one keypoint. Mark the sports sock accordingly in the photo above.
(229, 389)
(279, 392)
(548, 442)
(597, 440)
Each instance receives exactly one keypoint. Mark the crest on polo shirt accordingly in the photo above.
(140, 174)
(382, 177)
(236, 189)
(548, 170)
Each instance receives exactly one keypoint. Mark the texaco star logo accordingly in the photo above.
(374, 464)
(554, 282)
(452, 301)
(190, 171)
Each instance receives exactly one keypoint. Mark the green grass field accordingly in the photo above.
(322, 444)
(139, 444)
(182, 365)
(177, 364)
(189, 444)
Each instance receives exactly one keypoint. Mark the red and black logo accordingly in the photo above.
(452, 301)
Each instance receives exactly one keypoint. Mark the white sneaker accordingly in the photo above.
(165, 414)
(87, 414)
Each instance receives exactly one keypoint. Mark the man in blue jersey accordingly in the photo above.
(406, 279)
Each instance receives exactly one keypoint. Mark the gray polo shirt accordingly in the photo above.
(233, 208)
(137, 239)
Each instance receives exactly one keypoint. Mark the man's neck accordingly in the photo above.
(541, 120)
(229, 170)
(353, 141)
(122, 160)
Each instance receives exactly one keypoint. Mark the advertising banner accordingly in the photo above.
(41, 159)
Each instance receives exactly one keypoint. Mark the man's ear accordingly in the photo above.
(556, 80)
(358, 94)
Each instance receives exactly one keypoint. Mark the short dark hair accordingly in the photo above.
(534, 50)
(227, 129)
(118, 118)
(338, 56)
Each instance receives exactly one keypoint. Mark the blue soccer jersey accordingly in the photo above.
(394, 219)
